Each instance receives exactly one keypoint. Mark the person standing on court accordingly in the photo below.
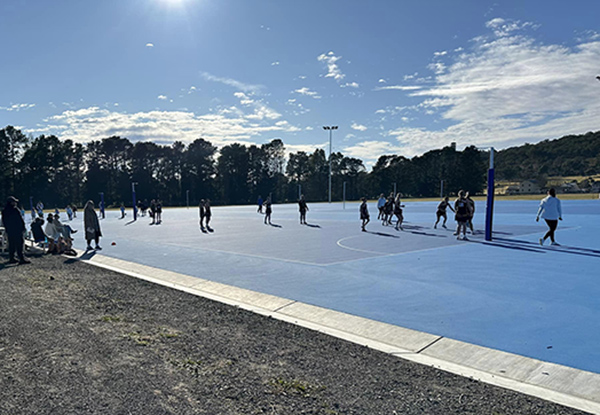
(364, 214)
(551, 211)
(471, 203)
(303, 208)
(260, 204)
(380, 205)
(207, 214)
(92, 226)
(441, 212)
(268, 210)
(202, 213)
(461, 215)
(14, 226)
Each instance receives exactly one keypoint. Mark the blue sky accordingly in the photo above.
(396, 77)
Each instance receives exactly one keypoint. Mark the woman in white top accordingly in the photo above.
(551, 212)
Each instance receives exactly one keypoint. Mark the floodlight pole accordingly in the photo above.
(330, 128)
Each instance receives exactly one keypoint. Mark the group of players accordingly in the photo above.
(464, 209)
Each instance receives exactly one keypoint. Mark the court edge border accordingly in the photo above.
(560, 384)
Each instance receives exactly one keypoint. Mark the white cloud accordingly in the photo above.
(222, 128)
(333, 70)
(350, 84)
(370, 151)
(275, 63)
(398, 88)
(232, 82)
(442, 53)
(306, 91)
(382, 81)
(18, 107)
(149, 45)
(162, 97)
(358, 127)
(509, 89)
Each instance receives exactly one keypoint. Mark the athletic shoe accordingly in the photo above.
(434, 226)
(12, 261)
(555, 244)
(444, 226)
(74, 231)
(24, 261)
(541, 241)
(98, 248)
(89, 248)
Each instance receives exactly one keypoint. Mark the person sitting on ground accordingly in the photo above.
(37, 231)
(53, 235)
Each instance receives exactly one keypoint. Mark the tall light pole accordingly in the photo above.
(330, 128)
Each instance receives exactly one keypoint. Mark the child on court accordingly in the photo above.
(207, 214)
(268, 210)
(551, 211)
(441, 212)
(303, 208)
(364, 214)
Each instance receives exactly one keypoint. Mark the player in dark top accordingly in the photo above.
(441, 212)
(202, 212)
(364, 214)
(398, 212)
(303, 208)
(461, 214)
(268, 210)
(471, 203)
(207, 214)
(388, 211)
(158, 212)
(14, 226)
(260, 204)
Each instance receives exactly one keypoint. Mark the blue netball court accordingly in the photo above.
(510, 294)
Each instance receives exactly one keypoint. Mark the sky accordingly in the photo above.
(396, 77)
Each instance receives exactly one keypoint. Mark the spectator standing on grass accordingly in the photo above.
(551, 211)
(364, 214)
(92, 226)
(303, 207)
(441, 212)
(74, 211)
(14, 226)
(158, 211)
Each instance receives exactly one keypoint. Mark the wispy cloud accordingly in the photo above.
(17, 107)
(358, 127)
(306, 91)
(509, 88)
(232, 82)
(398, 88)
(162, 97)
(333, 70)
(149, 45)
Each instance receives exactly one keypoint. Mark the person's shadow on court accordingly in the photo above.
(275, 225)
(311, 225)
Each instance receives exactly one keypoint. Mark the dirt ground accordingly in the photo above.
(75, 339)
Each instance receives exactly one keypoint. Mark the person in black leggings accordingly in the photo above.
(551, 211)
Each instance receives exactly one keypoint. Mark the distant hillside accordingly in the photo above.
(572, 155)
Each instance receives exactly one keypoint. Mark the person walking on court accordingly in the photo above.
(461, 215)
(260, 204)
(441, 212)
(380, 205)
(551, 211)
(364, 214)
(471, 203)
(268, 210)
(202, 212)
(122, 207)
(14, 226)
(207, 214)
(303, 208)
(388, 211)
(398, 212)
(158, 212)
(92, 226)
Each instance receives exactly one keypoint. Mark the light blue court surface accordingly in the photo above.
(510, 294)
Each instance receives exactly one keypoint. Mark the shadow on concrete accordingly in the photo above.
(130, 222)
(310, 225)
(389, 235)
(275, 225)
(554, 248)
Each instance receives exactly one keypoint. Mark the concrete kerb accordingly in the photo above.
(560, 384)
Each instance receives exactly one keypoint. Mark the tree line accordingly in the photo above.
(60, 172)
